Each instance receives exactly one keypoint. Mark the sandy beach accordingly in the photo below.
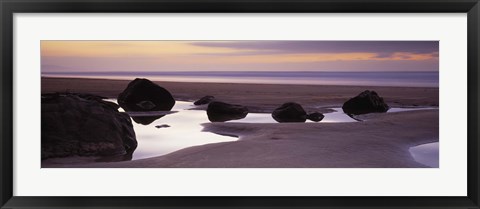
(381, 140)
(258, 97)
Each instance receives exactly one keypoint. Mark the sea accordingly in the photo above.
(397, 79)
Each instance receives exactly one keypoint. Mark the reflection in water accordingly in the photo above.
(255, 118)
(184, 130)
(337, 116)
(403, 109)
(426, 154)
(170, 131)
(391, 110)
(145, 120)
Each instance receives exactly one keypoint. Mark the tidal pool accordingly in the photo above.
(159, 134)
(181, 128)
(404, 109)
(337, 116)
(426, 154)
(176, 131)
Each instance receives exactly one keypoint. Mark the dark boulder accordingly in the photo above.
(365, 102)
(144, 95)
(289, 112)
(204, 100)
(316, 116)
(221, 112)
(84, 125)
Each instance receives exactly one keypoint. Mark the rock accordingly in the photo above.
(365, 102)
(162, 126)
(54, 96)
(84, 125)
(289, 112)
(316, 116)
(204, 100)
(144, 95)
(146, 105)
(221, 112)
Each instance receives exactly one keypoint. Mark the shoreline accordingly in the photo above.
(223, 83)
(381, 141)
(248, 80)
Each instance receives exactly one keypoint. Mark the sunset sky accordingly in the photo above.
(101, 56)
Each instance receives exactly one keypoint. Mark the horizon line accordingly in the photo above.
(236, 71)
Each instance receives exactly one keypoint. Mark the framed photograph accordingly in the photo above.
(239, 104)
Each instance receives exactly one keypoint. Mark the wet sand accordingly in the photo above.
(259, 97)
(382, 140)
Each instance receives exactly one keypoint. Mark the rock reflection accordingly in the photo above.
(146, 120)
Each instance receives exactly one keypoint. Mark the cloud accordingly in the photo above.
(125, 49)
(381, 49)
(238, 55)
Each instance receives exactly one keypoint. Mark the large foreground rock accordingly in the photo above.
(365, 102)
(84, 125)
(221, 112)
(144, 95)
(289, 112)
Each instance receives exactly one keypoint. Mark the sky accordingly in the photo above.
(106, 56)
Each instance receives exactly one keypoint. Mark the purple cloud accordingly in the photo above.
(382, 48)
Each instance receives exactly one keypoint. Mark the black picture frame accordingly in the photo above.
(10, 7)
